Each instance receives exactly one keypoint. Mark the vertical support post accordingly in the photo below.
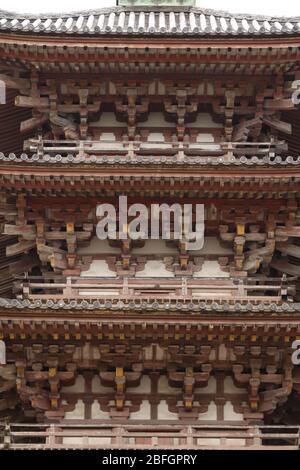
(189, 437)
(7, 436)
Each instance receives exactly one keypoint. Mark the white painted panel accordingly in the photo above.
(99, 440)
(155, 247)
(208, 142)
(97, 386)
(97, 413)
(204, 120)
(164, 413)
(212, 246)
(156, 119)
(229, 386)
(72, 440)
(77, 413)
(77, 387)
(211, 269)
(236, 442)
(160, 352)
(144, 386)
(211, 387)
(210, 414)
(208, 442)
(156, 140)
(156, 136)
(98, 267)
(230, 414)
(154, 268)
(107, 136)
(144, 412)
(108, 120)
(148, 353)
(222, 352)
(164, 387)
(97, 247)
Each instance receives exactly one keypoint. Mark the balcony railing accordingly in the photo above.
(138, 148)
(150, 289)
(153, 152)
(144, 436)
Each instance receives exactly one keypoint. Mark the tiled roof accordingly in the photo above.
(164, 305)
(150, 21)
(147, 160)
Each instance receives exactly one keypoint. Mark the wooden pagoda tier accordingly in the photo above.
(162, 104)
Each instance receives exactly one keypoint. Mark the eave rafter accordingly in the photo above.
(243, 51)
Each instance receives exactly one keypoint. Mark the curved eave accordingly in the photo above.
(14, 178)
(23, 50)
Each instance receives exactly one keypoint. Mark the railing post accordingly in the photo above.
(256, 441)
(125, 286)
(241, 290)
(68, 289)
(51, 437)
(283, 287)
(118, 437)
(7, 436)
(189, 437)
(184, 287)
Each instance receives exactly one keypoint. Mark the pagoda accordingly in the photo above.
(141, 343)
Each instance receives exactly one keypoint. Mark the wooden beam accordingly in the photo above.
(20, 247)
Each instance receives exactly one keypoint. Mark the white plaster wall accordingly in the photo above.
(157, 119)
(108, 120)
(160, 352)
(211, 387)
(97, 247)
(77, 413)
(98, 441)
(107, 136)
(230, 387)
(205, 137)
(87, 293)
(156, 136)
(148, 352)
(164, 387)
(212, 355)
(97, 386)
(155, 140)
(222, 352)
(144, 386)
(164, 413)
(236, 442)
(155, 247)
(230, 414)
(211, 269)
(77, 387)
(207, 141)
(144, 412)
(210, 414)
(97, 413)
(204, 120)
(212, 246)
(72, 440)
(154, 350)
(87, 351)
(154, 268)
(98, 267)
(209, 442)
(107, 141)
